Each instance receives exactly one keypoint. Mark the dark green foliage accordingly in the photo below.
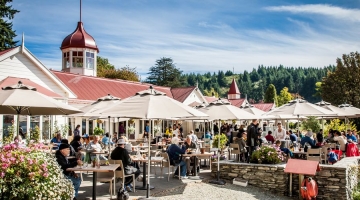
(270, 95)
(6, 33)
(165, 73)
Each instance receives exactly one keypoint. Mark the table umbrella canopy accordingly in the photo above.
(300, 107)
(253, 110)
(221, 109)
(341, 112)
(101, 103)
(349, 109)
(151, 104)
(25, 100)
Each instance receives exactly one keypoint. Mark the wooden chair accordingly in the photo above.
(166, 163)
(324, 153)
(314, 154)
(235, 149)
(121, 173)
(107, 177)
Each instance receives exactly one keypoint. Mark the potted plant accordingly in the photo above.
(267, 155)
(98, 131)
(35, 134)
(223, 140)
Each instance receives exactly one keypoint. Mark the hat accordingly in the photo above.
(85, 136)
(121, 141)
(64, 146)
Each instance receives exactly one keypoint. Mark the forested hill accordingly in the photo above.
(298, 80)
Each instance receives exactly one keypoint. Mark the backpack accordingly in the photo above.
(309, 189)
(122, 194)
(332, 157)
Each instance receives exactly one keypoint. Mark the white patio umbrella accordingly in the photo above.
(223, 110)
(25, 100)
(253, 110)
(151, 104)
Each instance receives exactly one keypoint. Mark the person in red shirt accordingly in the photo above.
(270, 138)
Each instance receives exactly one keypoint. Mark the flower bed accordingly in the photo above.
(29, 173)
(267, 155)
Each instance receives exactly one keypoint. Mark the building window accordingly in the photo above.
(66, 60)
(89, 60)
(77, 59)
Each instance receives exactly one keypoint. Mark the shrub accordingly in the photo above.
(223, 141)
(267, 155)
(28, 173)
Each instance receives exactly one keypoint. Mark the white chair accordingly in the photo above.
(121, 173)
(166, 163)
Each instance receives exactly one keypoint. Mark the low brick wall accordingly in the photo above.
(334, 181)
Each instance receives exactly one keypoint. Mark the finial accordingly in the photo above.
(80, 10)
(23, 43)
(19, 83)
(151, 87)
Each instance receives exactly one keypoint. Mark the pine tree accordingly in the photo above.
(270, 95)
(6, 33)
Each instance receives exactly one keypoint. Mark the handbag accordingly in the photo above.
(122, 194)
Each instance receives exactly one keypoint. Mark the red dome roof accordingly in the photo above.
(80, 39)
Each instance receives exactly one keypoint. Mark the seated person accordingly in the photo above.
(18, 141)
(207, 135)
(114, 138)
(292, 136)
(351, 136)
(106, 140)
(308, 139)
(56, 141)
(189, 144)
(76, 144)
(338, 138)
(72, 150)
(242, 146)
(332, 156)
(174, 152)
(120, 153)
(94, 146)
(61, 154)
(270, 138)
(285, 150)
(194, 138)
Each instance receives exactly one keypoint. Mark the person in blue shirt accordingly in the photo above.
(56, 141)
(106, 140)
(308, 139)
(207, 135)
(350, 136)
(292, 136)
(174, 152)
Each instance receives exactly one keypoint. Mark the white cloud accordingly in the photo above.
(320, 9)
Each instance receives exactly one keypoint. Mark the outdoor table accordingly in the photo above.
(145, 160)
(95, 170)
(196, 160)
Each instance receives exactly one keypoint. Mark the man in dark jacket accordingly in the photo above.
(252, 137)
(61, 154)
(120, 153)
(174, 152)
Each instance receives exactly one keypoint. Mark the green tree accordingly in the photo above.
(318, 89)
(7, 34)
(210, 93)
(311, 123)
(107, 70)
(284, 96)
(165, 73)
(221, 79)
(342, 85)
(270, 95)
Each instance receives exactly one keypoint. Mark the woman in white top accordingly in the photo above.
(280, 133)
(338, 138)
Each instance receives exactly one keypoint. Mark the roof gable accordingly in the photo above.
(264, 106)
(91, 88)
(180, 94)
(237, 102)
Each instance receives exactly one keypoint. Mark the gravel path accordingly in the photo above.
(203, 190)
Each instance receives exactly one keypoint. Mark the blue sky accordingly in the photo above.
(200, 36)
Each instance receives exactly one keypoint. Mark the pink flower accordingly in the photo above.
(5, 166)
(30, 161)
(2, 174)
(46, 175)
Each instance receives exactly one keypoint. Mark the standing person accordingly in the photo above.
(320, 137)
(180, 130)
(242, 146)
(216, 128)
(121, 129)
(194, 138)
(280, 132)
(77, 130)
(146, 130)
(61, 154)
(120, 153)
(252, 137)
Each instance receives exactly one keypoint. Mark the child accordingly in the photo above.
(332, 157)
(285, 150)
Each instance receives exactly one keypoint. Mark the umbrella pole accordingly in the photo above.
(149, 158)
(322, 123)
(17, 125)
(110, 137)
(218, 181)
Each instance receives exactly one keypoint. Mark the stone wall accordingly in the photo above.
(334, 181)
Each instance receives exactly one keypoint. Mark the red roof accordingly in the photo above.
(5, 51)
(181, 94)
(264, 106)
(80, 39)
(236, 102)
(13, 81)
(234, 89)
(92, 88)
(210, 99)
